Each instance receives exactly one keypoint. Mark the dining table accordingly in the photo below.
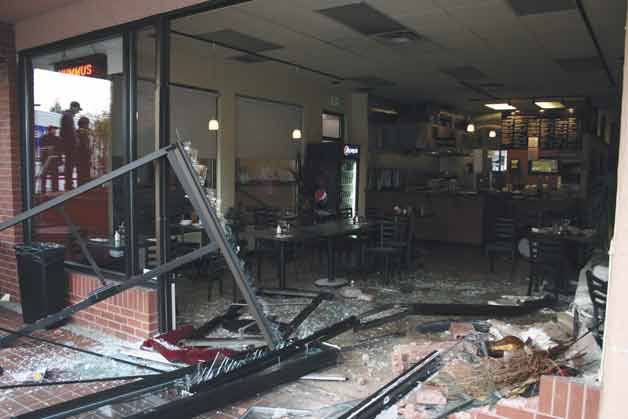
(328, 231)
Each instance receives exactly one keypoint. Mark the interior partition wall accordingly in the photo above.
(120, 79)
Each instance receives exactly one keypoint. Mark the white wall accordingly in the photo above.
(265, 129)
(190, 112)
(195, 63)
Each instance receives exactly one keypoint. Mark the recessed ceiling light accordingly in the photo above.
(553, 104)
(500, 106)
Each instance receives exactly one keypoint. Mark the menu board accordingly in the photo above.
(553, 132)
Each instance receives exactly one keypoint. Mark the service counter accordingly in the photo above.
(467, 217)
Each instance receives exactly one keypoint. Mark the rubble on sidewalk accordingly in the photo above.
(460, 330)
(430, 395)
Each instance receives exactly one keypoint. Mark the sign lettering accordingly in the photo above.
(351, 150)
(91, 66)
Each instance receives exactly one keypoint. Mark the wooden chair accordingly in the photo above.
(403, 237)
(347, 244)
(598, 291)
(382, 248)
(546, 258)
(504, 242)
(265, 217)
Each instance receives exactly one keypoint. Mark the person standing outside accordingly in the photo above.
(70, 142)
(82, 151)
(50, 159)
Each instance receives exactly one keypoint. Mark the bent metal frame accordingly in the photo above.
(186, 175)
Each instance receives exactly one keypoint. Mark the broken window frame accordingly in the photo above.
(183, 170)
(160, 23)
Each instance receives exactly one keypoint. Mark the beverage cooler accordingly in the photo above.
(333, 167)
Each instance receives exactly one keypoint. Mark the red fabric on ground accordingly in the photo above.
(167, 345)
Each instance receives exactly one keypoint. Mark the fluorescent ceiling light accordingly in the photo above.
(500, 106)
(550, 105)
(384, 110)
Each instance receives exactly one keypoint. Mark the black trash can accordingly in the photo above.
(43, 284)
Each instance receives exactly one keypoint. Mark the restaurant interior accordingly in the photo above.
(416, 180)
(477, 140)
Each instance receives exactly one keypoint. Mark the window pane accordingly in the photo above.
(79, 136)
(190, 112)
(146, 143)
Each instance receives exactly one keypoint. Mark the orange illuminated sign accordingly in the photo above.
(91, 66)
(84, 70)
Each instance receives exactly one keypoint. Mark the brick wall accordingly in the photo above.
(560, 398)
(131, 315)
(10, 164)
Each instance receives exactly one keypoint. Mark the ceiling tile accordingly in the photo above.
(239, 40)
(362, 18)
(465, 72)
(519, 52)
(561, 35)
(536, 7)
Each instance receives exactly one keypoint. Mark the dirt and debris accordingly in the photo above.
(370, 358)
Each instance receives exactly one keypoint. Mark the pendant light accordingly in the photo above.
(492, 133)
(213, 124)
(470, 127)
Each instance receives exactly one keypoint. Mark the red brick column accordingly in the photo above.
(10, 163)
(131, 315)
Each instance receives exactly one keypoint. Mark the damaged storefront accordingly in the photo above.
(272, 210)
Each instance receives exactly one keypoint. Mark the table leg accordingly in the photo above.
(282, 265)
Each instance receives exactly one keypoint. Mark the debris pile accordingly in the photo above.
(484, 362)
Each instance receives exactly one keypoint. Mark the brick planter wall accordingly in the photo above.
(10, 165)
(130, 315)
(560, 398)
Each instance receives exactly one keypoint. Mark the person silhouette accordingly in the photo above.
(83, 155)
(70, 142)
(50, 145)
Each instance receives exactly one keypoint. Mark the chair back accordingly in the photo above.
(546, 252)
(505, 230)
(388, 232)
(265, 217)
(598, 291)
(403, 228)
